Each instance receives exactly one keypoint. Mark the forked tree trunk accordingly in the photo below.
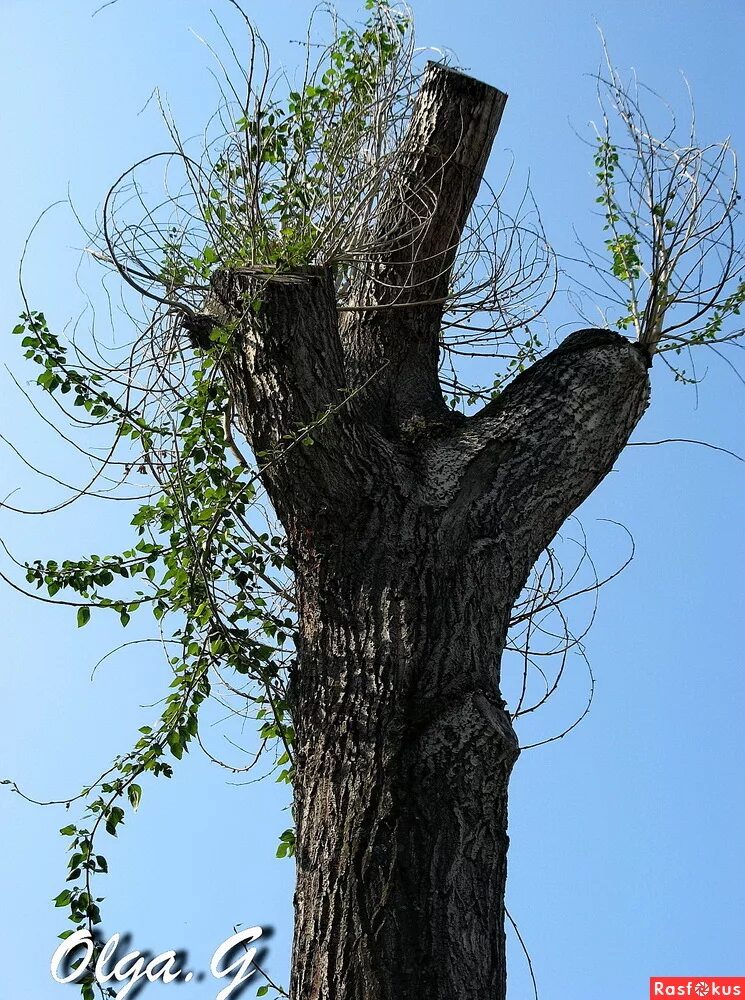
(413, 532)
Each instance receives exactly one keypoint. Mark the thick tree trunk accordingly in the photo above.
(413, 533)
(404, 746)
(403, 758)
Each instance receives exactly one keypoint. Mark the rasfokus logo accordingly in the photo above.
(697, 986)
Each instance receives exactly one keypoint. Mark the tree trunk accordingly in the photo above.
(413, 532)
(403, 757)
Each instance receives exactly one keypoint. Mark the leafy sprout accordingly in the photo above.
(670, 209)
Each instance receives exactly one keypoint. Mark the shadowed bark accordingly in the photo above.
(413, 533)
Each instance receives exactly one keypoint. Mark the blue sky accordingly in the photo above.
(626, 855)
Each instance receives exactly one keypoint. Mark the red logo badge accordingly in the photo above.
(696, 986)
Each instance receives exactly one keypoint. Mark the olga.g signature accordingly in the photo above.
(133, 968)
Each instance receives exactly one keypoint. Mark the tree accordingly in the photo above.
(411, 529)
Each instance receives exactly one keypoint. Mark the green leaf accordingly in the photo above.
(84, 615)
(115, 817)
(175, 745)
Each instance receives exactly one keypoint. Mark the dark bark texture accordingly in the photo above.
(413, 532)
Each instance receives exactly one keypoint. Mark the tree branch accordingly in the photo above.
(421, 221)
(510, 477)
(287, 383)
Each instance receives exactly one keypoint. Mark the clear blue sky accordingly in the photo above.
(626, 856)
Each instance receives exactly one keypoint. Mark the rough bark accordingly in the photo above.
(420, 224)
(412, 539)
